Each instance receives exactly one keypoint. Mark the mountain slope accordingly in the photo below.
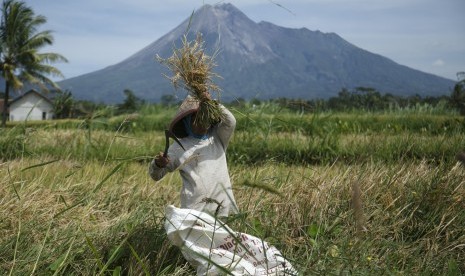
(258, 60)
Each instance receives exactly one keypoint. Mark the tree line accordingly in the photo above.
(357, 99)
(65, 106)
(369, 99)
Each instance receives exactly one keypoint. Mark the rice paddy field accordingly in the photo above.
(337, 193)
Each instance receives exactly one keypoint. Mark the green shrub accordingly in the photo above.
(12, 142)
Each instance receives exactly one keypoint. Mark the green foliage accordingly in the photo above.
(169, 100)
(457, 97)
(267, 133)
(13, 143)
(366, 99)
(362, 98)
(131, 103)
(63, 105)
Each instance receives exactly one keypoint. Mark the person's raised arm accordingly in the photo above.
(225, 128)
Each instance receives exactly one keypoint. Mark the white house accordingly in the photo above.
(31, 106)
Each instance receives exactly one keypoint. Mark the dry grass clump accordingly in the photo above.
(407, 218)
(71, 217)
(192, 70)
(53, 220)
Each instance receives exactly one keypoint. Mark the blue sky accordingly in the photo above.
(428, 35)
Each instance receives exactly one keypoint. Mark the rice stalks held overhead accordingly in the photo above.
(192, 70)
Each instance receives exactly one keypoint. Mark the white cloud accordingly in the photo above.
(439, 62)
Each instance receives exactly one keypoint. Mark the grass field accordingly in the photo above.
(353, 193)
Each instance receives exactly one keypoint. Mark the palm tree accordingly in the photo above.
(20, 42)
(63, 104)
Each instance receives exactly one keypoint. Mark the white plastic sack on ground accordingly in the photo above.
(213, 248)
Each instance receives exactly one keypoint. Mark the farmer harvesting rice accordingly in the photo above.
(202, 165)
(204, 128)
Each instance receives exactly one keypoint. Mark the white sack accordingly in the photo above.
(211, 246)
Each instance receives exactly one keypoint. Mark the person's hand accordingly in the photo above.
(161, 161)
(206, 96)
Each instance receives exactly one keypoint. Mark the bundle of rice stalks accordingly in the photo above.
(192, 70)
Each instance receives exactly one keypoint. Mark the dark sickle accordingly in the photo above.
(168, 135)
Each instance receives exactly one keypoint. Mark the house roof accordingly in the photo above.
(32, 91)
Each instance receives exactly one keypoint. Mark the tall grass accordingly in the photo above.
(80, 201)
(61, 215)
(408, 228)
(13, 142)
(54, 221)
(261, 138)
